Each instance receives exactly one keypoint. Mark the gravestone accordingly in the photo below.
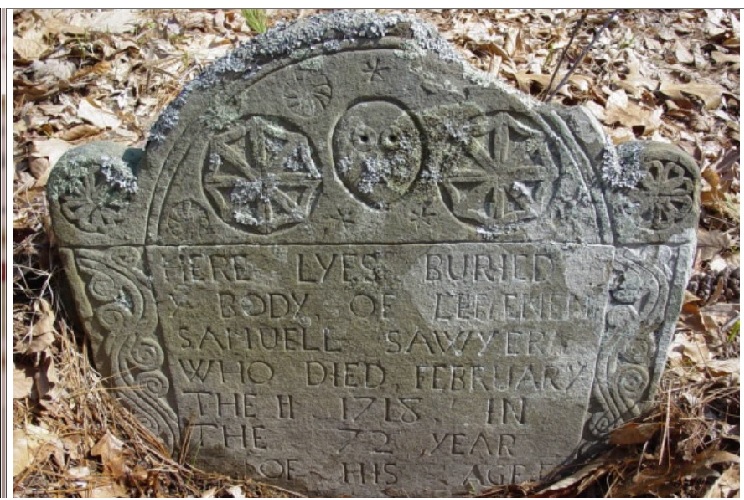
(350, 264)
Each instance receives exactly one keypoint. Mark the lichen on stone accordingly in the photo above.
(312, 64)
(118, 174)
(245, 191)
(621, 167)
(327, 31)
(219, 117)
(215, 160)
(74, 173)
(124, 300)
(301, 159)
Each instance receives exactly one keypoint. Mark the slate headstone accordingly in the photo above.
(350, 264)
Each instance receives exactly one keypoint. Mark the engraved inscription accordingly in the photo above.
(312, 334)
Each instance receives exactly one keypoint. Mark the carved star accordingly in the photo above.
(375, 70)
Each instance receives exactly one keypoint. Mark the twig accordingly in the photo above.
(576, 29)
(583, 54)
(665, 437)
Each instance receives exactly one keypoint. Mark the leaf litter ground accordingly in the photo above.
(671, 76)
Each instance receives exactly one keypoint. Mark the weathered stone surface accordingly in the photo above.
(350, 264)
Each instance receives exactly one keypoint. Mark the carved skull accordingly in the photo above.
(377, 149)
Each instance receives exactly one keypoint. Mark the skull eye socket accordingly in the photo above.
(363, 138)
(391, 139)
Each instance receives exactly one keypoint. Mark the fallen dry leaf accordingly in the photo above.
(726, 486)
(31, 46)
(32, 442)
(22, 383)
(710, 93)
(620, 110)
(49, 148)
(210, 492)
(721, 58)
(45, 376)
(23, 451)
(53, 69)
(634, 433)
(97, 116)
(79, 132)
(711, 243)
(682, 54)
(42, 331)
(111, 450)
(634, 82)
(107, 21)
(575, 483)
(236, 491)
(725, 367)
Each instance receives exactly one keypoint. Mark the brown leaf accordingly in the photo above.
(33, 441)
(45, 376)
(29, 48)
(724, 367)
(625, 112)
(721, 58)
(575, 483)
(711, 94)
(42, 331)
(39, 168)
(79, 132)
(634, 82)
(53, 70)
(97, 116)
(111, 450)
(55, 25)
(634, 433)
(23, 451)
(682, 54)
(107, 21)
(732, 43)
(22, 383)
(210, 493)
(711, 243)
(726, 486)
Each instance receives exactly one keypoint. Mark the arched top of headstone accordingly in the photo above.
(376, 118)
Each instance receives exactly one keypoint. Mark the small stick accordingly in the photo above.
(583, 54)
(576, 29)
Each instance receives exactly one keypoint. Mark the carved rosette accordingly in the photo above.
(662, 201)
(664, 194)
(93, 194)
(307, 92)
(260, 176)
(125, 318)
(187, 220)
(638, 301)
(495, 171)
